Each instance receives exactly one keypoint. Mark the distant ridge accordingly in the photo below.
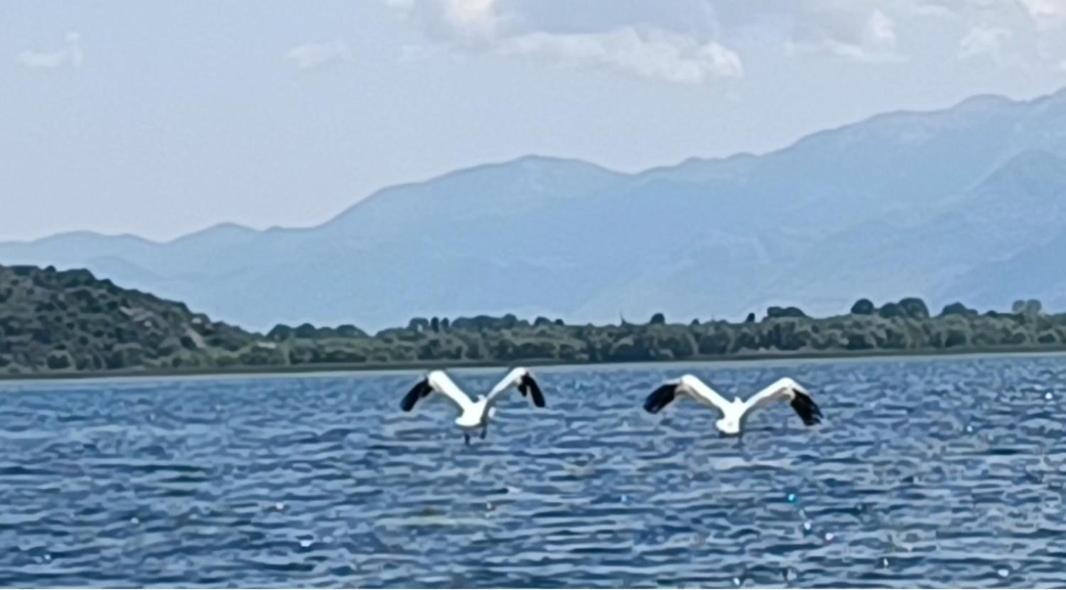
(899, 203)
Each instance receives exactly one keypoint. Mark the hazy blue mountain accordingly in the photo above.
(1027, 204)
(930, 204)
(1018, 207)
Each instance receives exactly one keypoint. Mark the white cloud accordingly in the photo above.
(70, 55)
(465, 21)
(487, 26)
(651, 53)
(984, 41)
(1046, 13)
(880, 29)
(876, 42)
(477, 14)
(313, 55)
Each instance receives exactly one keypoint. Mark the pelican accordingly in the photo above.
(473, 415)
(736, 412)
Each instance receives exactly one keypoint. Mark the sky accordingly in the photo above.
(163, 118)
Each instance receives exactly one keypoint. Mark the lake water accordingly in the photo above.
(925, 473)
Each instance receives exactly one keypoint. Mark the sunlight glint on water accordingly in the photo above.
(926, 472)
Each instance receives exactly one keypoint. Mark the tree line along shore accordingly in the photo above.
(70, 323)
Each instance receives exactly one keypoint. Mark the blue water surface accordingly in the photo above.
(926, 472)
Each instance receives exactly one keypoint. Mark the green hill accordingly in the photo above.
(69, 321)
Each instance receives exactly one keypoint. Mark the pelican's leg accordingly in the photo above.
(484, 430)
(466, 438)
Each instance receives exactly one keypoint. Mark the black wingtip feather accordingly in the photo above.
(660, 398)
(529, 386)
(419, 391)
(805, 407)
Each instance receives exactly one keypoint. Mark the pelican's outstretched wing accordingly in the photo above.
(439, 382)
(521, 378)
(687, 385)
(795, 394)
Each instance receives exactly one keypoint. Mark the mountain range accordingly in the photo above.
(966, 203)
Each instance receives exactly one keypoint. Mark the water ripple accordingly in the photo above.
(926, 473)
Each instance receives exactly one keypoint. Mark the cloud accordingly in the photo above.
(984, 41)
(70, 55)
(653, 54)
(459, 21)
(476, 14)
(881, 30)
(1046, 13)
(874, 41)
(313, 55)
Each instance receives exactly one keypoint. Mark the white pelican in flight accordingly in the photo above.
(473, 415)
(735, 413)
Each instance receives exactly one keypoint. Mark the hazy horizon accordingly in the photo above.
(159, 121)
(433, 177)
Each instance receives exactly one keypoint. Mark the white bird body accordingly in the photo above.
(735, 413)
(473, 414)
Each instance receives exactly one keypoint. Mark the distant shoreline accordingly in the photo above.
(355, 368)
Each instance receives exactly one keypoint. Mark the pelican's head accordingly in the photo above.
(728, 426)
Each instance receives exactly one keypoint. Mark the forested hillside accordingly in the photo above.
(69, 322)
